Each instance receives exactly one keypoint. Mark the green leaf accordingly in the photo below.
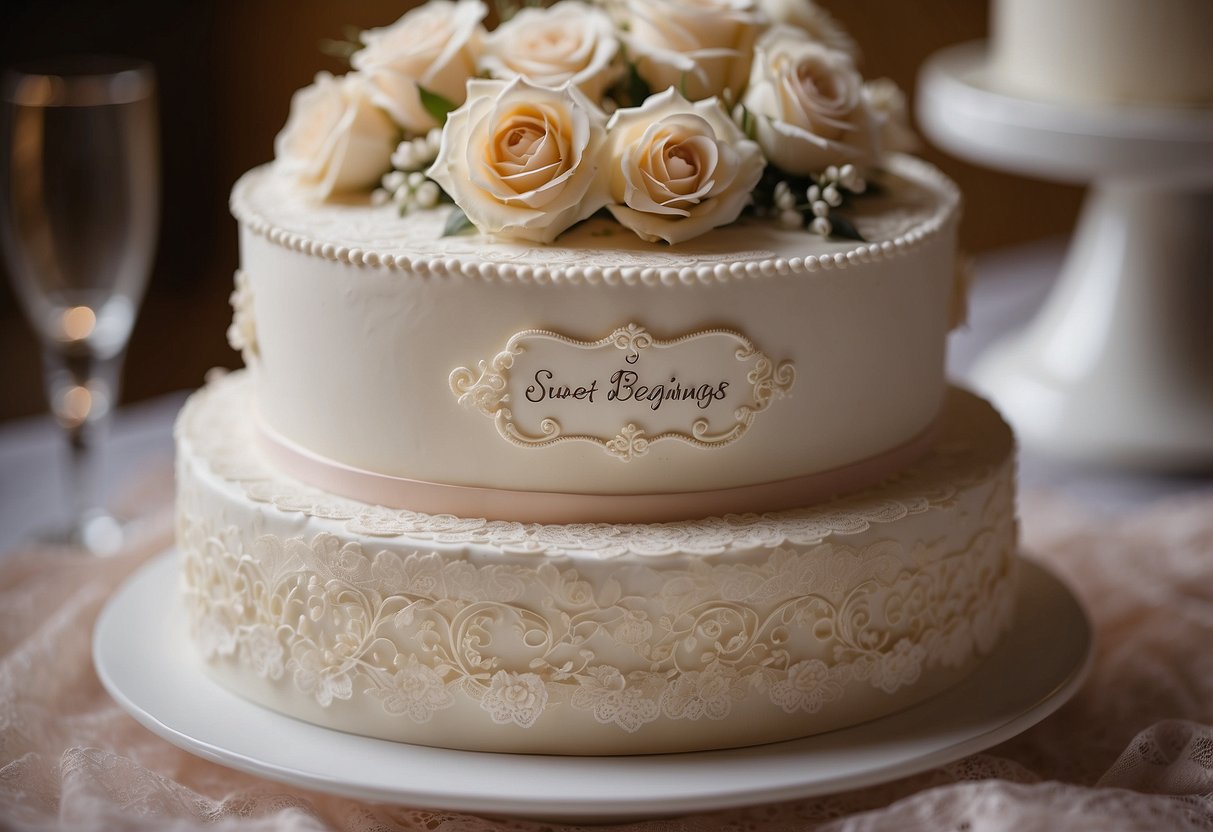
(844, 229)
(506, 9)
(457, 223)
(630, 90)
(436, 105)
(748, 123)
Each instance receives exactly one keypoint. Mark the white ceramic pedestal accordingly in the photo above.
(1117, 367)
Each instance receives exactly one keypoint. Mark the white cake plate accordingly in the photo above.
(1117, 367)
(145, 662)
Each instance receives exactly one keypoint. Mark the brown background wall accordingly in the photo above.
(227, 70)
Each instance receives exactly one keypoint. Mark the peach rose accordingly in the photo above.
(679, 169)
(808, 104)
(703, 48)
(569, 41)
(335, 139)
(816, 22)
(523, 161)
(434, 47)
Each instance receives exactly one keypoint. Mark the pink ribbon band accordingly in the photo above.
(558, 508)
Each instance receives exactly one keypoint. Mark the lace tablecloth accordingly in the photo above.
(1133, 750)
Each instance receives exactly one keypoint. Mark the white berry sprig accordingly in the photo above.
(814, 201)
(408, 191)
(417, 153)
(407, 187)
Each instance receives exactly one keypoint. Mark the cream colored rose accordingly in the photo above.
(679, 169)
(816, 22)
(434, 46)
(335, 139)
(807, 105)
(570, 41)
(887, 105)
(523, 161)
(703, 48)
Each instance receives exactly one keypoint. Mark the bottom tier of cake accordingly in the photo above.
(592, 639)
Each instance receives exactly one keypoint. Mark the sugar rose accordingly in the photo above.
(807, 104)
(815, 21)
(701, 47)
(335, 139)
(523, 161)
(886, 104)
(433, 47)
(570, 41)
(679, 169)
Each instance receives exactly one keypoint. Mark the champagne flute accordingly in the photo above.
(79, 184)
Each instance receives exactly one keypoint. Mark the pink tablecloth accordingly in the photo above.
(1133, 750)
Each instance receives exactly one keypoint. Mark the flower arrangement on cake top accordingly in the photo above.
(673, 116)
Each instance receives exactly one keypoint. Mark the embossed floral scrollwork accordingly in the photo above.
(808, 686)
(486, 389)
(769, 380)
(418, 631)
(630, 443)
(414, 691)
(632, 339)
(517, 698)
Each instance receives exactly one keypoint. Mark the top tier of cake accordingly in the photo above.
(1151, 52)
(600, 377)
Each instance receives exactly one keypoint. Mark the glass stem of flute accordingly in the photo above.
(83, 388)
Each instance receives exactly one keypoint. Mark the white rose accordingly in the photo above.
(434, 46)
(887, 105)
(814, 20)
(523, 161)
(335, 139)
(679, 169)
(703, 48)
(807, 104)
(570, 41)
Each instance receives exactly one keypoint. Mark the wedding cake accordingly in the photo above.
(1102, 52)
(595, 397)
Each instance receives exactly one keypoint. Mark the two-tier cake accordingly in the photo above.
(586, 433)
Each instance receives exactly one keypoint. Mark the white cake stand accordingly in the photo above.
(1117, 367)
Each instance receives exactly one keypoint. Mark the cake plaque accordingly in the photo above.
(625, 391)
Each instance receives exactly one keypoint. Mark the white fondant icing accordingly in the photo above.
(354, 358)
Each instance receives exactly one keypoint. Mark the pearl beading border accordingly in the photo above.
(439, 267)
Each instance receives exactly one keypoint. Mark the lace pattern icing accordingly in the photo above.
(415, 630)
(217, 424)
